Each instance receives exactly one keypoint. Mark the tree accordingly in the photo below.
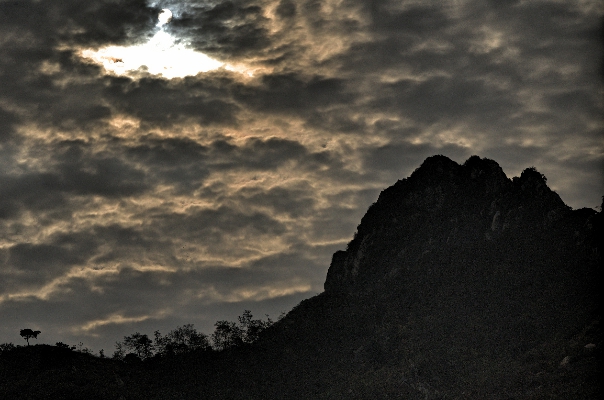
(28, 333)
(226, 335)
(230, 334)
(81, 349)
(119, 352)
(183, 339)
(251, 328)
(64, 346)
(140, 344)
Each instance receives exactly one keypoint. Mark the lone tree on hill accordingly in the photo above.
(28, 333)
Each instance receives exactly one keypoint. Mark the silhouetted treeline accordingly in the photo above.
(183, 339)
(186, 339)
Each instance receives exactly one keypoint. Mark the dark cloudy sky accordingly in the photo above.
(134, 202)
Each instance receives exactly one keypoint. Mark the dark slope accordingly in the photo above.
(49, 372)
(459, 284)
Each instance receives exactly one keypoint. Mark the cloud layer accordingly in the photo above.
(141, 203)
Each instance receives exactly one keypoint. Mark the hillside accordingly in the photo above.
(459, 284)
(462, 283)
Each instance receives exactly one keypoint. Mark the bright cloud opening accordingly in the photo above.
(159, 56)
(164, 17)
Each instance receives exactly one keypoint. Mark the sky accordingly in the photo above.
(160, 168)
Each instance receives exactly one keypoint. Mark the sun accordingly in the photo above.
(164, 17)
(161, 55)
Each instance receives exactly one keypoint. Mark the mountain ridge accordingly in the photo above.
(478, 191)
(460, 280)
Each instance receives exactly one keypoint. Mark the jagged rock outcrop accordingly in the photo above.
(446, 208)
(469, 285)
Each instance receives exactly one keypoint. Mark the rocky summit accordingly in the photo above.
(459, 283)
(447, 215)
(463, 283)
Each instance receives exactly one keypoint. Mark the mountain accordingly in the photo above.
(459, 284)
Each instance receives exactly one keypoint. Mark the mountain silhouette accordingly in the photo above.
(459, 283)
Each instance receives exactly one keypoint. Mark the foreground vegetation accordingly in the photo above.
(138, 364)
(183, 339)
(329, 346)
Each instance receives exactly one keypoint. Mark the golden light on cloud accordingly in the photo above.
(254, 293)
(114, 319)
(56, 285)
(162, 55)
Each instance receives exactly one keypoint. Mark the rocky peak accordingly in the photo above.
(534, 184)
(488, 173)
(441, 209)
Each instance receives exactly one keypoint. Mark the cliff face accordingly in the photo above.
(445, 209)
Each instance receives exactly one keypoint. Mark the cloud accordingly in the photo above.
(227, 27)
(292, 93)
(75, 173)
(107, 302)
(257, 153)
(294, 202)
(286, 9)
(140, 203)
(161, 102)
(8, 121)
(80, 21)
(416, 19)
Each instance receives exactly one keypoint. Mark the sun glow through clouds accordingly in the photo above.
(164, 17)
(159, 56)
